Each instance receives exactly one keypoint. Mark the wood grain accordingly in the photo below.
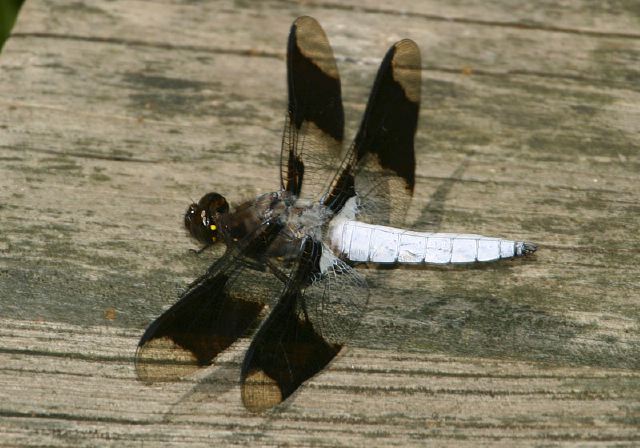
(114, 114)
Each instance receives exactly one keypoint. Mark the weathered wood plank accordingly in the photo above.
(88, 371)
(113, 114)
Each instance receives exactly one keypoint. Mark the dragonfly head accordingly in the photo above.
(201, 219)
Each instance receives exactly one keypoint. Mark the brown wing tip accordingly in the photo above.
(406, 43)
(161, 359)
(260, 392)
(313, 44)
(306, 20)
(407, 66)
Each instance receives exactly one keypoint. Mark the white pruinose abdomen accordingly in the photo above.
(361, 242)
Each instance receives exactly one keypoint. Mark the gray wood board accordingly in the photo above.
(114, 114)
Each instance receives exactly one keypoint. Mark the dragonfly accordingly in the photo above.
(291, 255)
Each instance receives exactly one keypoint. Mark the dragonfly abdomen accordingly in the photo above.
(362, 242)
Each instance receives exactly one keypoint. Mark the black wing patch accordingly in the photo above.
(305, 330)
(381, 162)
(190, 334)
(212, 314)
(313, 133)
(284, 354)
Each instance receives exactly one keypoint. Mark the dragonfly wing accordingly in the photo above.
(214, 312)
(305, 330)
(313, 133)
(381, 161)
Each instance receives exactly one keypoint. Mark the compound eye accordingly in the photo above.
(214, 203)
(222, 207)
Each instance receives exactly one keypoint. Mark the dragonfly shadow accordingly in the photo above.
(431, 216)
(207, 396)
(459, 322)
(442, 312)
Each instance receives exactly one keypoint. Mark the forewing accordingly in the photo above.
(381, 162)
(305, 330)
(313, 133)
(213, 313)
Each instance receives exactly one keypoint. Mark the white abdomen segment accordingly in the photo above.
(361, 242)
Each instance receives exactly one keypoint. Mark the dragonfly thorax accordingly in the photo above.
(308, 220)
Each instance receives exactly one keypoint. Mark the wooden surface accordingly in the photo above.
(114, 114)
